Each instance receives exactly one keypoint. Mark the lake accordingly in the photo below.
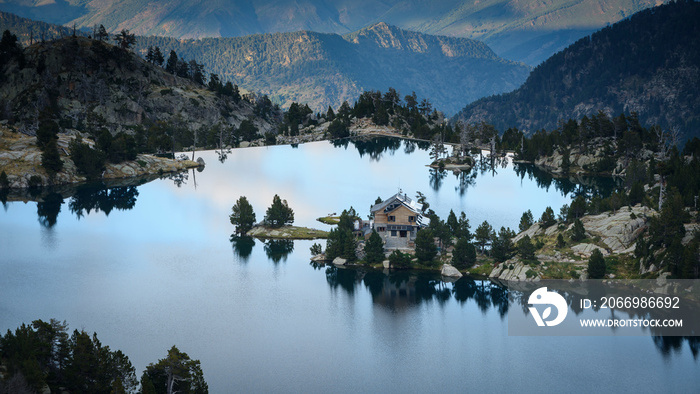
(147, 266)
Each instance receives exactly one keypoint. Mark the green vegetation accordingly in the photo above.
(426, 250)
(464, 254)
(374, 249)
(176, 373)
(242, 216)
(633, 58)
(400, 260)
(279, 214)
(44, 353)
(596, 265)
(578, 232)
(526, 221)
(341, 241)
(324, 70)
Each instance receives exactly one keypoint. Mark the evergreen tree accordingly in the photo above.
(243, 216)
(548, 218)
(526, 249)
(502, 246)
(484, 233)
(171, 65)
(453, 223)
(125, 39)
(102, 34)
(464, 254)
(279, 213)
(51, 159)
(425, 246)
(578, 232)
(596, 265)
(560, 241)
(177, 373)
(398, 259)
(158, 56)
(526, 221)
(374, 249)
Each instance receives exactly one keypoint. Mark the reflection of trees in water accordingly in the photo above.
(575, 292)
(345, 279)
(178, 178)
(242, 246)
(667, 346)
(48, 209)
(278, 249)
(374, 147)
(97, 197)
(586, 186)
(405, 289)
(465, 180)
(437, 176)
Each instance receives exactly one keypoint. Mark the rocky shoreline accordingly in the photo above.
(20, 159)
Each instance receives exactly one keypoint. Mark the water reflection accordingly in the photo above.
(576, 185)
(48, 209)
(401, 290)
(278, 249)
(101, 199)
(375, 147)
(242, 246)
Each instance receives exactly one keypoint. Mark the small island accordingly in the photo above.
(276, 225)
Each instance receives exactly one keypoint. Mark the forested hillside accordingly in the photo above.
(327, 69)
(648, 64)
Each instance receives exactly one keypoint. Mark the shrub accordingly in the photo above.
(399, 260)
(596, 265)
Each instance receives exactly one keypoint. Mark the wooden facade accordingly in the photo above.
(397, 220)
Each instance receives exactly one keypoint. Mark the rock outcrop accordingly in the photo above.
(450, 271)
(514, 270)
(20, 159)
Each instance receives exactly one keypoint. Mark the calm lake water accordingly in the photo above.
(152, 265)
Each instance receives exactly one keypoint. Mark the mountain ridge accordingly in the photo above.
(521, 30)
(648, 64)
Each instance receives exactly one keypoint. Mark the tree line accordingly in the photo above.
(45, 354)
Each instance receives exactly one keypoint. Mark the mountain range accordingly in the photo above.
(521, 30)
(648, 64)
(322, 69)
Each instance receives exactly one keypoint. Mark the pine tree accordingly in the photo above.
(484, 233)
(425, 246)
(171, 65)
(464, 254)
(578, 232)
(158, 57)
(279, 213)
(374, 249)
(596, 265)
(242, 215)
(526, 249)
(526, 220)
(548, 218)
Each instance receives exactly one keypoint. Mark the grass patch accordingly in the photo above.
(331, 220)
(287, 232)
(483, 269)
